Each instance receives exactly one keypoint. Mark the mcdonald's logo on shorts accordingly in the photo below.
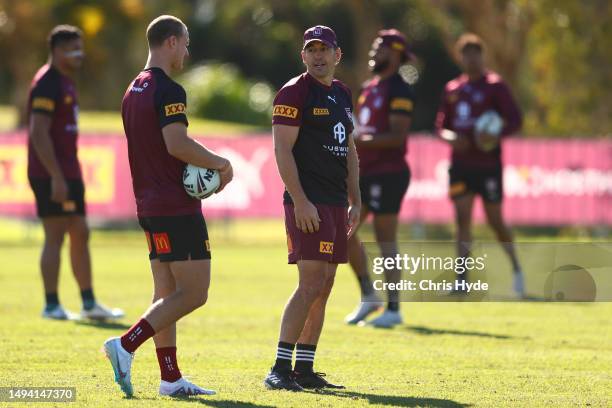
(326, 247)
(162, 243)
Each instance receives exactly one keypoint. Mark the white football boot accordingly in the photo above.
(182, 388)
(101, 312)
(369, 304)
(121, 360)
(387, 320)
(57, 313)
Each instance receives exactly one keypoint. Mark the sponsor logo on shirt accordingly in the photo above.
(47, 104)
(326, 247)
(174, 109)
(162, 243)
(320, 111)
(404, 104)
(286, 111)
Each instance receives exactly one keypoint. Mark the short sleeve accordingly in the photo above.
(173, 106)
(45, 94)
(288, 105)
(401, 97)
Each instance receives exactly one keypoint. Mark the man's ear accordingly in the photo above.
(338, 55)
(172, 41)
(302, 54)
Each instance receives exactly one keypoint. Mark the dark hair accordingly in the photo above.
(62, 34)
(469, 40)
(164, 27)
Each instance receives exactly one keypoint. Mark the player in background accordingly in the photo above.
(54, 173)
(476, 170)
(317, 160)
(384, 112)
(155, 124)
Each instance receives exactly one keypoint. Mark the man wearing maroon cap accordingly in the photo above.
(476, 167)
(317, 160)
(384, 112)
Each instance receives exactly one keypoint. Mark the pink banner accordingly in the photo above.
(546, 182)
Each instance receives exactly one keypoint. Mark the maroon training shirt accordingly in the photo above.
(377, 100)
(464, 101)
(152, 101)
(324, 116)
(54, 94)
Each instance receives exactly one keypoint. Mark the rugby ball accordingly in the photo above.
(490, 122)
(199, 182)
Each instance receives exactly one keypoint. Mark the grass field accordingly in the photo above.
(446, 355)
(110, 122)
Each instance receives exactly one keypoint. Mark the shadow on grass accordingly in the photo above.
(221, 403)
(430, 332)
(395, 400)
(103, 324)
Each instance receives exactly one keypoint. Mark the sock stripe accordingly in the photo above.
(305, 352)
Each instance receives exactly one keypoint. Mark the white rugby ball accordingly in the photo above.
(490, 122)
(199, 182)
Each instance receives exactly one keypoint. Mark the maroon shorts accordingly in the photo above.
(328, 244)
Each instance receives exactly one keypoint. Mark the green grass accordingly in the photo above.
(110, 122)
(446, 355)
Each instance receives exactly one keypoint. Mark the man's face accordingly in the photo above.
(380, 56)
(472, 60)
(70, 54)
(179, 49)
(320, 60)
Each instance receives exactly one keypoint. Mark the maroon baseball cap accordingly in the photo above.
(320, 33)
(395, 40)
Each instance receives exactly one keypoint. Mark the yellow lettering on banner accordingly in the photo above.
(14, 185)
(401, 104)
(98, 167)
(97, 164)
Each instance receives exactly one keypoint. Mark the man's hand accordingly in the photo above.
(306, 216)
(354, 213)
(59, 189)
(226, 174)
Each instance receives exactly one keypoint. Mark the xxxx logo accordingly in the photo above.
(286, 111)
(174, 109)
(326, 247)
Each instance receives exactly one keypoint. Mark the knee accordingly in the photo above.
(79, 234)
(328, 284)
(197, 297)
(54, 242)
(311, 290)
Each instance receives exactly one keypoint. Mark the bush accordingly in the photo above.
(220, 92)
